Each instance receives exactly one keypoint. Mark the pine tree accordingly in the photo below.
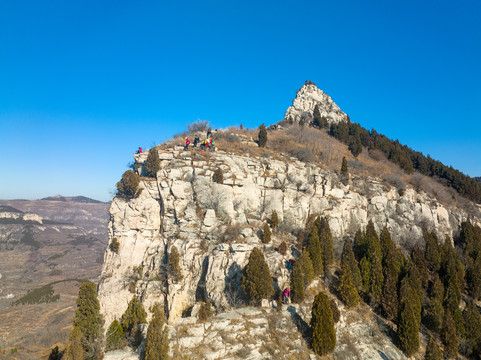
(365, 269)
(134, 315)
(344, 168)
(448, 335)
(348, 258)
(297, 284)
(408, 329)
(432, 351)
(417, 256)
(266, 235)
(157, 342)
(274, 220)
(322, 324)
(317, 117)
(347, 289)
(256, 279)
(390, 301)
(262, 136)
(128, 186)
(115, 336)
(315, 251)
(88, 319)
(74, 349)
(305, 264)
(432, 253)
(387, 245)
(377, 279)
(359, 247)
(283, 248)
(174, 262)
(435, 311)
(152, 164)
(472, 321)
(325, 239)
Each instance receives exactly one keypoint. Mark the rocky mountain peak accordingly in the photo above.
(307, 97)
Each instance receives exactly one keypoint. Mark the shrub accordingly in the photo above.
(256, 280)
(218, 176)
(448, 335)
(115, 336)
(128, 186)
(283, 248)
(115, 245)
(347, 289)
(315, 251)
(174, 262)
(262, 136)
(274, 219)
(205, 311)
(432, 351)
(157, 342)
(302, 154)
(152, 164)
(344, 168)
(199, 125)
(54, 354)
(408, 329)
(336, 314)
(135, 314)
(266, 235)
(322, 324)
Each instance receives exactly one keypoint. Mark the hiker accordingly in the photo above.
(196, 141)
(139, 150)
(212, 143)
(287, 296)
(290, 264)
(209, 134)
(187, 143)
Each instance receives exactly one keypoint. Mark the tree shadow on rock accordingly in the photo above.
(233, 292)
(301, 325)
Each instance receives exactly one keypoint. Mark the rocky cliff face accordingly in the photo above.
(215, 226)
(308, 96)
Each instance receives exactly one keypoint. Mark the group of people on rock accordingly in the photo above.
(208, 143)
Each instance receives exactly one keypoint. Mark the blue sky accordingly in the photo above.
(84, 83)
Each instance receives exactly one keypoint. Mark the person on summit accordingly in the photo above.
(187, 143)
(287, 296)
(139, 150)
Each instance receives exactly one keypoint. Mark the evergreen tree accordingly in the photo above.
(417, 256)
(377, 279)
(473, 277)
(348, 258)
(344, 168)
(365, 269)
(274, 220)
(266, 235)
(283, 248)
(256, 279)
(390, 302)
(327, 248)
(432, 351)
(432, 253)
(305, 264)
(297, 284)
(174, 262)
(322, 324)
(359, 247)
(157, 342)
(315, 251)
(472, 321)
(448, 335)
(88, 319)
(115, 336)
(387, 245)
(74, 349)
(408, 328)
(435, 311)
(128, 186)
(262, 136)
(134, 315)
(152, 164)
(317, 117)
(347, 289)
(355, 145)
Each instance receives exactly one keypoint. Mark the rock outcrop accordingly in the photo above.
(308, 96)
(215, 226)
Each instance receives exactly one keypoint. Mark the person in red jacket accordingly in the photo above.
(139, 150)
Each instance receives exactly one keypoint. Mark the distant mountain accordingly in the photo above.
(7, 208)
(78, 199)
